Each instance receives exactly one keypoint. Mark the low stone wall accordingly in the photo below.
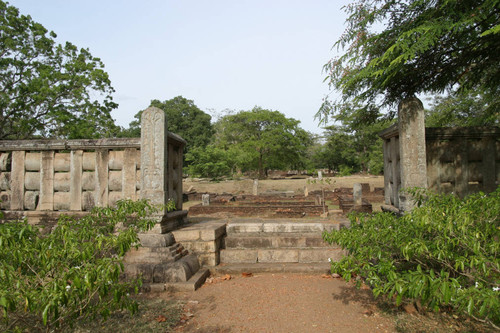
(446, 160)
(76, 175)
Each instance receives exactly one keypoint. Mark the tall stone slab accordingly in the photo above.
(154, 151)
(413, 164)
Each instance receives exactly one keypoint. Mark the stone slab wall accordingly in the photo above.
(76, 175)
(458, 160)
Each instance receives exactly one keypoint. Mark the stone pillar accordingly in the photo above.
(205, 199)
(255, 187)
(154, 158)
(357, 194)
(320, 175)
(413, 164)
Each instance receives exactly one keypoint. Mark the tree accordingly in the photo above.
(425, 46)
(183, 118)
(209, 161)
(48, 89)
(473, 109)
(263, 139)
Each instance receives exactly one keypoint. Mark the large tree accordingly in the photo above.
(48, 89)
(396, 49)
(263, 139)
(183, 118)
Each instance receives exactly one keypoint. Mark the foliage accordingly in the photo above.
(73, 272)
(263, 139)
(211, 162)
(464, 110)
(183, 118)
(395, 49)
(48, 89)
(444, 253)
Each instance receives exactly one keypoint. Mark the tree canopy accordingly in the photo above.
(183, 118)
(262, 139)
(395, 49)
(48, 89)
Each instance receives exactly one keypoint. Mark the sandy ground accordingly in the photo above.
(296, 185)
(282, 303)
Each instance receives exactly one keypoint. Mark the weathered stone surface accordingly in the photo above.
(319, 255)
(357, 194)
(238, 256)
(4, 181)
(278, 255)
(47, 181)
(412, 150)
(192, 262)
(156, 240)
(244, 227)
(209, 258)
(32, 161)
(205, 199)
(255, 190)
(154, 156)
(76, 174)
(61, 162)
(4, 161)
(293, 227)
(178, 271)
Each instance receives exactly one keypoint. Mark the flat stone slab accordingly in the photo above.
(282, 255)
(303, 268)
(205, 231)
(281, 226)
(195, 282)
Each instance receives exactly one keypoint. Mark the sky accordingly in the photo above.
(231, 54)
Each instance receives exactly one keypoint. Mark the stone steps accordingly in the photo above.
(284, 255)
(162, 263)
(273, 242)
(304, 268)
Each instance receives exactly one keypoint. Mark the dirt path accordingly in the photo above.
(282, 303)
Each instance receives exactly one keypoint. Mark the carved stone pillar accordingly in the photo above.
(412, 150)
(154, 158)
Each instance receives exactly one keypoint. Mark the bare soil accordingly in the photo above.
(303, 303)
(283, 303)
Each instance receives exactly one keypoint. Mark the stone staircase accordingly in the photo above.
(277, 246)
(164, 264)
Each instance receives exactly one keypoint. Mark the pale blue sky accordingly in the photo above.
(221, 54)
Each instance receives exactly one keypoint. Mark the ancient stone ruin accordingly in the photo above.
(446, 160)
(42, 179)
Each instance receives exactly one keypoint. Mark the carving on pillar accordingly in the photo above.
(154, 155)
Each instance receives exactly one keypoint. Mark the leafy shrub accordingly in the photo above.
(444, 253)
(49, 281)
(345, 170)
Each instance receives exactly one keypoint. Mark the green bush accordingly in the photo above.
(49, 281)
(443, 254)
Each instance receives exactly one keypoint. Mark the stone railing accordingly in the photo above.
(76, 175)
(446, 160)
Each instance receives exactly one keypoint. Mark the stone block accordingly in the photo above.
(320, 255)
(213, 232)
(238, 256)
(248, 242)
(278, 255)
(186, 234)
(209, 258)
(144, 271)
(178, 271)
(244, 227)
(192, 262)
(156, 240)
(201, 247)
